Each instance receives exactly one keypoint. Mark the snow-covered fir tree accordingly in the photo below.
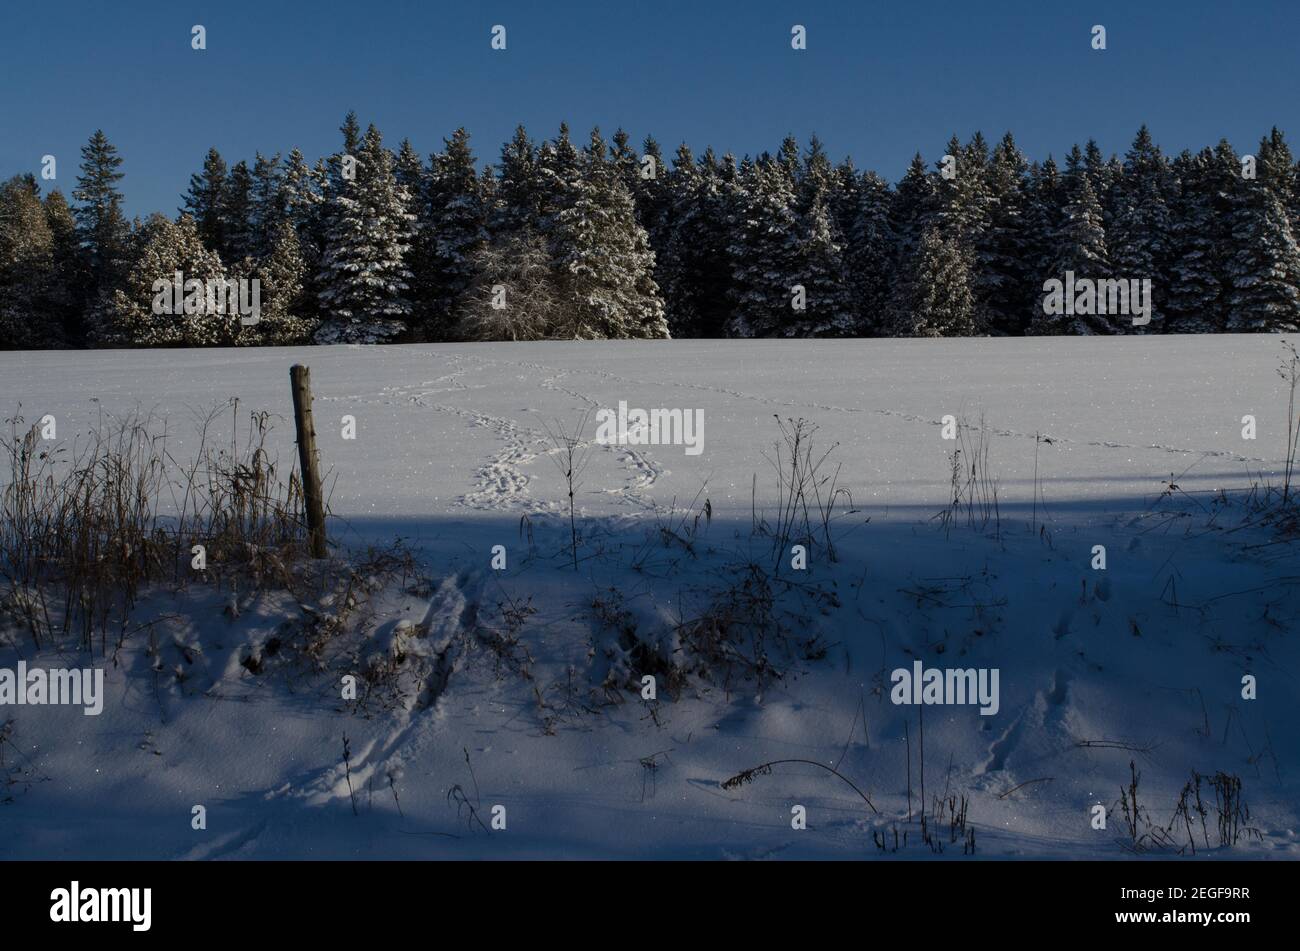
(452, 223)
(160, 249)
(26, 267)
(268, 202)
(868, 256)
(1139, 238)
(934, 294)
(362, 277)
(204, 201)
(237, 214)
(282, 273)
(915, 201)
(65, 298)
(1264, 269)
(102, 227)
(301, 195)
(818, 252)
(602, 256)
(763, 241)
(1200, 239)
(1080, 247)
(1044, 202)
(1005, 249)
(695, 266)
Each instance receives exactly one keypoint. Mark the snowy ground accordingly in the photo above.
(1140, 662)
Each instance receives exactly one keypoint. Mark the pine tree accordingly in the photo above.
(818, 252)
(102, 226)
(363, 277)
(763, 240)
(1005, 250)
(351, 130)
(302, 198)
(1139, 240)
(935, 295)
(282, 273)
(1264, 269)
(915, 201)
(66, 297)
(604, 265)
(204, 202)
(134, 315)
(1044, 207)
(869, 254)
(1200, 239)
(452, 225)
(26, 267)
(518, 202)
(695, 266)
(1080, 246)
(269, 203)
(237, 212)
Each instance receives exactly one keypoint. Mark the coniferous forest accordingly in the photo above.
(597, 239)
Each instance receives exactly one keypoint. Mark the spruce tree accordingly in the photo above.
(26, 267)
(301, 192)
(817, 246)
(1139, 239)
(915, 201)
(269, 203)
(1044, 207)
(695, 266)
(763, 250)
(605, 268)
(100, 223)
(1200, 240)
(453, 219)
(204, 202)
(1005, 250)
(363, 279)
(518, 203)
(282, 273)
(66, 298)
(869, 254)
(237, 213)
(1079, 246)
(934, 295)
(1264, 268)
(132, 317)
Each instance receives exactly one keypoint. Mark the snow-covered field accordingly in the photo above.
(1140, 662)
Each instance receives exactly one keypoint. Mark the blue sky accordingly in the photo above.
(879, 80)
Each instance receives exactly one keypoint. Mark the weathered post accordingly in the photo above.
(308, 462)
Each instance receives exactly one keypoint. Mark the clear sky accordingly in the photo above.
(878, 81)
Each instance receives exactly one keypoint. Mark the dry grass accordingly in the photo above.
(86, 527)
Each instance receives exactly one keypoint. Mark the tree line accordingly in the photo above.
(561, 240)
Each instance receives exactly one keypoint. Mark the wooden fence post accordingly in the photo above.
(308, 462)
